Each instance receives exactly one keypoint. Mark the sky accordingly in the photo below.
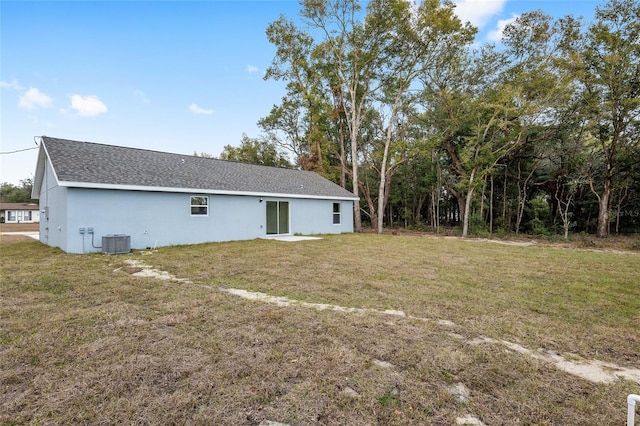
(174, 76)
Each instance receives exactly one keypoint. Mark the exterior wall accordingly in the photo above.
(154, 219)
(53, 208)
(316, 216)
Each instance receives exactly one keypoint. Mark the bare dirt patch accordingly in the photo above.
(592, 370)
(138, 268)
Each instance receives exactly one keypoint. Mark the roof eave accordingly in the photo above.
(91, 185)
(38, 176)
(41, 170)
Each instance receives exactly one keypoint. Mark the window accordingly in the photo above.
(27, 215)
(11, 216)
(199, 206)
(336, 213)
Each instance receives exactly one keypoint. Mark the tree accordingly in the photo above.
(341, 34)
(477, 120)
(297, 124)
(255, 151)
(606, 63)
(415, 40)
(366, 65)
(369, 90)
(487, 105)
(10, 193)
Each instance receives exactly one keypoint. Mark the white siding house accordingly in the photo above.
(19, 213)
(89, 190)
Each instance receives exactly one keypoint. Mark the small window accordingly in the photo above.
(199, 206)
(336, 213)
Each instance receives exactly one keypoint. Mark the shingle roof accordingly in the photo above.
(18, 206)
(85, 163)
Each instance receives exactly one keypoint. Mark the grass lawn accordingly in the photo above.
(84, 341)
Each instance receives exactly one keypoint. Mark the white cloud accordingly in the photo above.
(478, 12)
(33, 98)
(13, 84)
(496, 35)
(87, 106)
(252, 69)
(199, 110)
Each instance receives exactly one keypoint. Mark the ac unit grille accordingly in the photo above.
(116, 244)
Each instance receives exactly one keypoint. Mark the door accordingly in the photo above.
(277, 217)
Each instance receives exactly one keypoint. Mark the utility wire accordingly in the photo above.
(19, 150)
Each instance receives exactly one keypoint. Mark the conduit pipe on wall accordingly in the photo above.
(631, 412)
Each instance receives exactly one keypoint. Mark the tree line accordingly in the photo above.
(396, 103)
(21, 193)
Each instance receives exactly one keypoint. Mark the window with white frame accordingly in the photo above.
(336, 213)
(199, 205)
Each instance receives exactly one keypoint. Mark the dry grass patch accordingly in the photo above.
(83, 343)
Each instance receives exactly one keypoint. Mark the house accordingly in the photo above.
(19, 213)
(90, 193)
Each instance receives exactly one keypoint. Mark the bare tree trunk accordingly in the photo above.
(381, 191)
(504, 200)
(491, 207)
(603, 213)
(343, 157)
(563, 208)
(383, 198)
(417, 217)
(484, 188)
(467, 205)
(522, 197)
(373, 214)
(621, 199)
(466, 213)
(602, 230)
(435, 200)
(355, 126)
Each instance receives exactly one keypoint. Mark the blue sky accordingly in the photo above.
(175, 76)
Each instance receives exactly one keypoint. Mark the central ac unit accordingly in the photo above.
(116, 244)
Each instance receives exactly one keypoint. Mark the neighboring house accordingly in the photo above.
(19, 213)
(88, 191)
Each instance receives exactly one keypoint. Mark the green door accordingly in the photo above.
(277, 217)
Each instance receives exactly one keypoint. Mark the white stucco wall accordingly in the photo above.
(162, 219)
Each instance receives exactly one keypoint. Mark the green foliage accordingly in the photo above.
(478, 225)
(540, 213)
(255, 151)
(604, 61)
(17, 194)
(395, 103)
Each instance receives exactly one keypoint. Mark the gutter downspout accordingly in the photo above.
(631, 412)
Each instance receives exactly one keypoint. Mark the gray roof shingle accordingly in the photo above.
(94, 163)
